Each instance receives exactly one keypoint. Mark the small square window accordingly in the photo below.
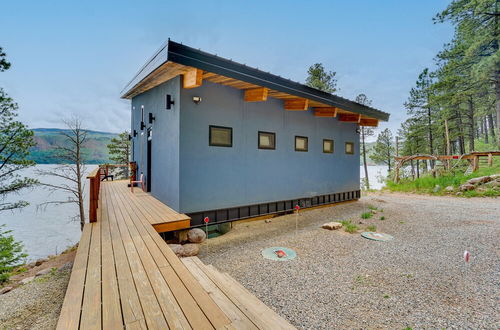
(301, 143)
(328, 146)
(349, 148)
(267, 140)
(221, 136)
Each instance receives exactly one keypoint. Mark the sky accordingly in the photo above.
(75, 57)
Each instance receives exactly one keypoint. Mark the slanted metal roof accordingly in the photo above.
(188, 56)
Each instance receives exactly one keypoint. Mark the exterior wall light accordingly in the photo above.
(169, 102)
(151, 118)
(196, 99)
(358, 130)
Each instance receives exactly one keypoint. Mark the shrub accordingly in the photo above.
(366, 215)
(371, 228)
(371, 207)
(11, 254)
(349, 227)
(382, 218)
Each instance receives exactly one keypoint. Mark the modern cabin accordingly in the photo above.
(217, 138)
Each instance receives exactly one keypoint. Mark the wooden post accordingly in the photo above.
(95, 183)
(475, 163)
(490, 160)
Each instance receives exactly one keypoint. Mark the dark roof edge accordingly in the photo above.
(189, 56)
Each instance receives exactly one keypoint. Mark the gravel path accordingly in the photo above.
(35, 305)
(342, 280)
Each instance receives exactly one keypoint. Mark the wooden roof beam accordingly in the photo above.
(192, 78)
(297, 104)
(330, 112)
(256, 94)
(368, 122)
(350, 118)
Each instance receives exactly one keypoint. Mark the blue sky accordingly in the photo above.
(72, 57)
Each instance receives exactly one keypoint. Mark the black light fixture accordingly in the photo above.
(143, 126)
(151, 118)
(135, 133)
(196, 99)
(358, 130)
(169, 102)
(129, 137)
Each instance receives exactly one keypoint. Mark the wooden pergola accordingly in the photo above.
(472, 157)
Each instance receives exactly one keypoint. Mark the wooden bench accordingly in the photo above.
(125, 275)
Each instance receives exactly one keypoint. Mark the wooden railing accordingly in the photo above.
(95, 184)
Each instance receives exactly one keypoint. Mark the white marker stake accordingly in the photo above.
(466, 259)
(206, 220)
(297, 208)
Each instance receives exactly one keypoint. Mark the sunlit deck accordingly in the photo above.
(126, 276)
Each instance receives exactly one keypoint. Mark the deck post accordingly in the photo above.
(490, 159)
(95, 183)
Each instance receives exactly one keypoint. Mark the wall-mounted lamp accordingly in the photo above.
(196, 99)
(129, 137)
(143, 126)
(151, 118)
(358, 130)
(135, 133)
(169, 102)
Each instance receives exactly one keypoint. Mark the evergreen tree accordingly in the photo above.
(320, 79)
(384, 149)
(15, 141)
(119, 150)
(11, 254)
(365, 132)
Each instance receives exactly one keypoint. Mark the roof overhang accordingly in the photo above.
(173, 59)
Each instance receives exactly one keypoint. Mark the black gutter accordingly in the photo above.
(185, 55)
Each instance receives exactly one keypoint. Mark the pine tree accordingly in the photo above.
(320, 79)
(384, 149)
(365, 132)
(119, 150)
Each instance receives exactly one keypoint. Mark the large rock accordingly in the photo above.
(493, 184)
(40, 261)
(189, 250)
(467, 187)
(196, 235)
(43, 272)
(332, 225)
(176, 248)
(480, 180)
(27, 280)
(436, 189)
(5, 289)
(449, 189)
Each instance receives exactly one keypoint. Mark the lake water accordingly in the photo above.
(44, 230)
(50, 230)
(376, 175)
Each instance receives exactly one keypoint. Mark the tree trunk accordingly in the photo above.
(491, 127)
(367, 181)
(497, 105)
(447, 135)
(470, 114)
(461, 139)
(485, 130)
(429, 122)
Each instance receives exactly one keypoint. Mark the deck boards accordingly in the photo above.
(126, 276)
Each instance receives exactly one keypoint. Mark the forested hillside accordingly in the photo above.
(457, 105)
(48, 139)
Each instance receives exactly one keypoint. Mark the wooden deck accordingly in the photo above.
(125, 275)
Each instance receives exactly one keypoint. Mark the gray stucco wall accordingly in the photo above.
(165, 141)
(220, 177)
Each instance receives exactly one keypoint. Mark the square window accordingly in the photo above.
(267, 140)
(301, 143)
(220, 136)
(349, 148)
(328, 146)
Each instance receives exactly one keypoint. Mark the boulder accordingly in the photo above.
(436, 188)
(196, 235)
(373, 211)
(176, 248)
(480, 180)
(332, 225)
(467, 187)
(5, 289)
(27, 280)
(495, 177)
(40, 261)
(43, 272)
(189, 250)
(449, 189)
(493, 184)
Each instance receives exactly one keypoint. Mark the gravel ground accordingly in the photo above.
(342, 280)
(35, 305)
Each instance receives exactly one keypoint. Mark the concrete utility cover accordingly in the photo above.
(279, 253)
(377, 236)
